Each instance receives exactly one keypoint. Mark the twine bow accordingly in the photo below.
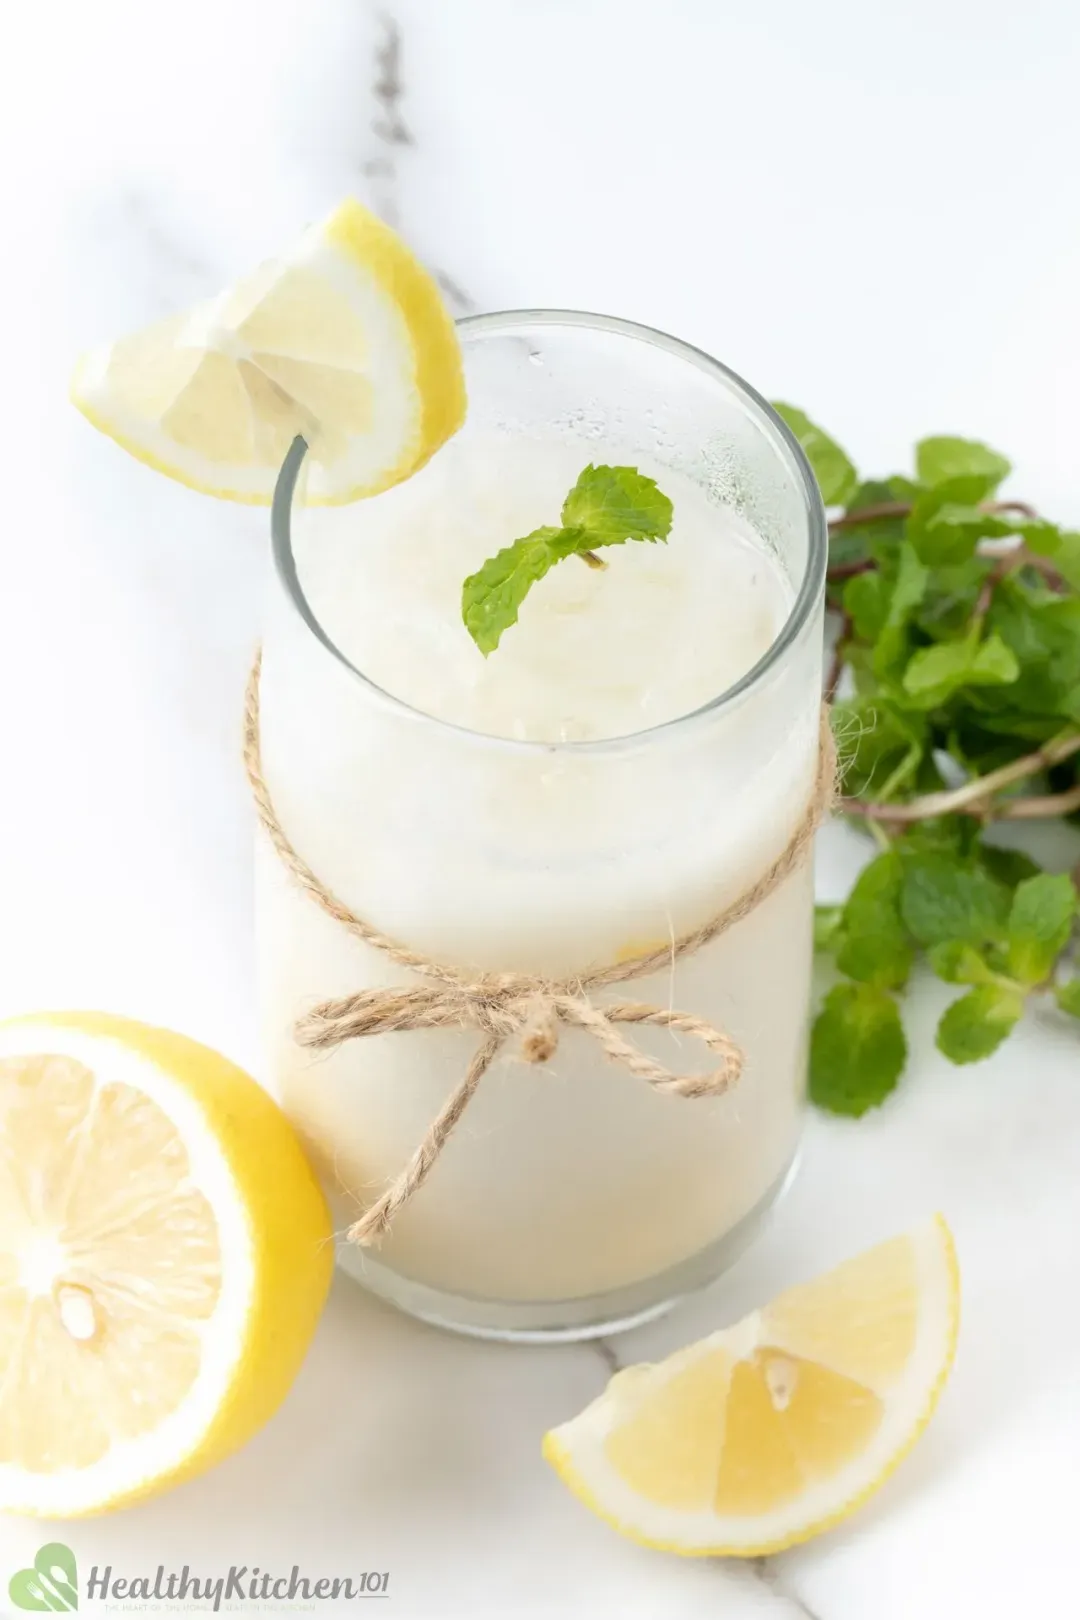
(508, 1006)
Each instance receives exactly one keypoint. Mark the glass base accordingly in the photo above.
(544, 1321)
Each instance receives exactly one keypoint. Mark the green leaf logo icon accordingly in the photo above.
(51, 1586)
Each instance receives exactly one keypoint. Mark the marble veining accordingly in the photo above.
(769, 1571)
(388, 124)
(396, 144)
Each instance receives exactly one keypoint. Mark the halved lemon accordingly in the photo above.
(773, 1430)
(344, 340)
(165, 1251)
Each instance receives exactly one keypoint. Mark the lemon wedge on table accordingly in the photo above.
(164, 1256)
(770, 1431)
(344, 339)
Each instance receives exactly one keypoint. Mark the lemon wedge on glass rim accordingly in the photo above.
(768, 1432)
(165, 1251)
(343, 339)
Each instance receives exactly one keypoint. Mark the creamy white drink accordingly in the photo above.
(577, 796)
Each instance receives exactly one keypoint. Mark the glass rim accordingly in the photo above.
(806, 598)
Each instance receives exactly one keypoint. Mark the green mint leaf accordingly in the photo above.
(835, 474)
(847, 546)
(934, 673)
(976, 1025)
(1067, 996)
(945, 526)
(606, 507)
(491, 597)
(866, 602)
(884, 538)
(942, 458)
(857, 1049)
(954, 597)
(615, 504)
(958, 963)
(1043, 632)
(1009, 866)
(954, 836)
(826, 926)
(944, 899)
(1059, 546)
(994, 664)
(876, 540)
(873, 492)
(909, 588)
(1040, 923)
(874, 945)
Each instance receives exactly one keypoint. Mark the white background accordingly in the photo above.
(869, 210)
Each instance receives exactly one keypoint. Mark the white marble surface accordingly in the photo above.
(870, 210)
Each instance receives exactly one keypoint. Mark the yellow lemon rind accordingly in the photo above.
(374, 249)
(561, 1459)
(288, 1231)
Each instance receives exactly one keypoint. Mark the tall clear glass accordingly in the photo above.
(572, 1198)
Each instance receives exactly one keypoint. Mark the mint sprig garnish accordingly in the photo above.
(957, 673)
(606, 507)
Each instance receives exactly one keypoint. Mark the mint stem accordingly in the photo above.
(591, 559)
(901, 509)
(972, 797)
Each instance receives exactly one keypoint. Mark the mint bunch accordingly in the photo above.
(958, 657)
(606, 507)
